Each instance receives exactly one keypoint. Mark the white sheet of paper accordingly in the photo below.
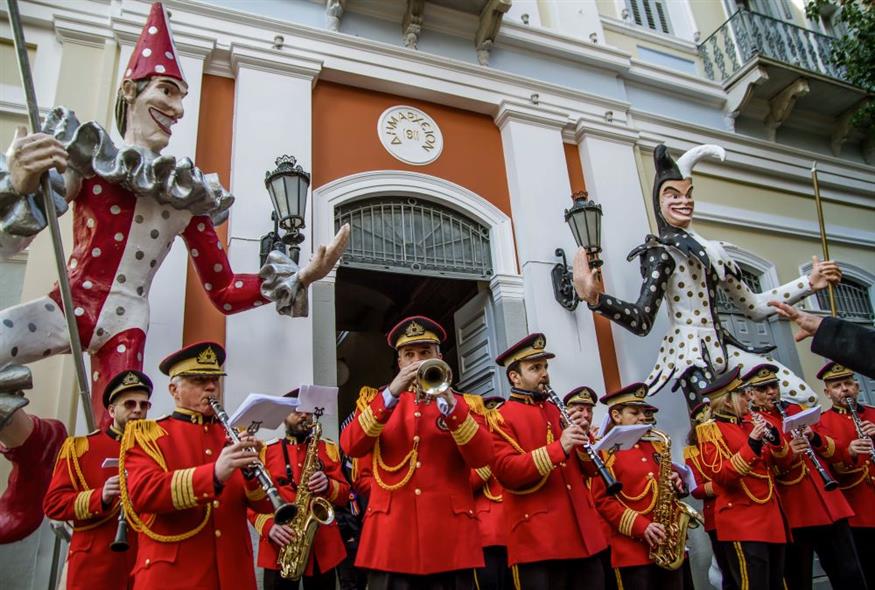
(621, 437)
(311, 397)
(686, 475)
(270, 410)
(606, 421)
(802, 419)
(110, 463)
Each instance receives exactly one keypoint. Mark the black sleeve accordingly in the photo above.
(656, 268)
(847, 343)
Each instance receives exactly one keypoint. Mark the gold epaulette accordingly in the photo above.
(708, 431)
(331, 449)
(73, 448)
(691, 452)
(144, 434)
(366, 396)
(492, 416)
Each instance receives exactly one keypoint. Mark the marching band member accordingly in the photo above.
(554, 536)
(420, 530)
(818, 518)
(488, 499)
(284, 460)
(751, 530)
(86, 492)
(630, 513)
(849, 449)
(180, 471)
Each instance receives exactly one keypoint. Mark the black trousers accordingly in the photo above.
(495, 575)
(324, 581)
(834, 545)
(560, 574)
(753, 565)
(864, 538)
(649, 577)
(454, 580)
(720, 559)
(349, 576)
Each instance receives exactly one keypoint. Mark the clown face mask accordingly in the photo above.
(676, 202)
(153, 112)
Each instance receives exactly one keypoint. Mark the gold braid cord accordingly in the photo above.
(409, 460)
(709, 432)
(516, 446)
(145, 433)
(73, 448)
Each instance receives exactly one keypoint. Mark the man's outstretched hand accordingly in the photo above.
(808, 323)
(324, 258)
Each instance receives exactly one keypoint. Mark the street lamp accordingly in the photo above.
(287, 186)
(585, 221)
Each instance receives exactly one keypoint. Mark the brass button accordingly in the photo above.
(525, 515)
(568, 485)
(215, 503)
(208, 451)
(148, 562)
(637, 446)
(644, 459)
(729, 505)
(206, 495)
(218, 533)
(650, 475)
(417, 414)
(562, 464)
(417, 491)
(418, 464)
(416, 438)
(206, 429)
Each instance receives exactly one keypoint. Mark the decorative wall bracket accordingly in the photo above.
(563, 289)
(411, 26)
(781, 105)
(487, 30)
(334, 10)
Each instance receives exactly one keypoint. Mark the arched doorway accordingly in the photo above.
(419, 245)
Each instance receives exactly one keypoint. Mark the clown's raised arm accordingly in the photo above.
(685, 269)
(129, 204)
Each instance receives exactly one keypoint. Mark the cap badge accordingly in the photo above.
(539, 343)
(414, 329)
(131, 379)
(207, 357)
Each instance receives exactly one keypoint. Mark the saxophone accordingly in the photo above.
(674, 515)
(312, 511)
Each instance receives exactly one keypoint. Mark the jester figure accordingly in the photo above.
(681, 267)
(129, 204)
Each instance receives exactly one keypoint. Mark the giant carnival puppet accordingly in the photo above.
(683, 268)
(129, 204)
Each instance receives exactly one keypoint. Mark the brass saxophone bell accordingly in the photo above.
(433, 378)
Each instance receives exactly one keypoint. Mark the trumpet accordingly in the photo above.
(433, 378)
(851, 404)
(829, 484)
(283, 511)
(612, 486)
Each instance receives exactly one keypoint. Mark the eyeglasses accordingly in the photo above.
(131, 404)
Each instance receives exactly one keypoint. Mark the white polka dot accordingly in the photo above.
(78, 311)
(168, 54)
(119, 237)
(201, 227)
(227, 307)
(258, 303)
(653, 288)
(153, 29)
(115, 209)
(194, 253)
(146, 52)
(140, 356)
(217, 267)
(95, 375)
(160, 69)
(89, 222)
(121, 348)
(128, 73)
(238, 284)
(219, 245)
(655, 274)
(87, 284)
(208, 286)
(95, 252)
(97, 189)
(74, 263)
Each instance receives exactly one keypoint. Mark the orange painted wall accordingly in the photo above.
(345, 142)
(215, 127)
(603, 334)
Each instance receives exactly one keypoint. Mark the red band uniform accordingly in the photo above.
(818, 518)
(76, 494)
(751, 529)
(553, 528)
(420, 524)
(856, 475)
(199, 536)
(284, 460)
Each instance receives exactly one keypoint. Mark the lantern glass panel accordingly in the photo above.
(593, 227)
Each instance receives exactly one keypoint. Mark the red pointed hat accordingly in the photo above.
(155, 53)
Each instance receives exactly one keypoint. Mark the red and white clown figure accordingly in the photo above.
(129, 205)
(685, 269)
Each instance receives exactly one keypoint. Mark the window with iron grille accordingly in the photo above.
(751, 278)
(852, 301)
(411, 235)
(652, 14)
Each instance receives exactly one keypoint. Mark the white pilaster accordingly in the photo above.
(267, 353)
(540, 191)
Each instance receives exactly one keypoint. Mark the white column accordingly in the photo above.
(540, 191)
(267, 353)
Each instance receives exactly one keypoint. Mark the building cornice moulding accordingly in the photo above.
(621, 27)
(90, 32)
(530, 113)
(590, 126)
(127, 32)
(273, 61)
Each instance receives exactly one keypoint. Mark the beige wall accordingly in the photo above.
(708, 14)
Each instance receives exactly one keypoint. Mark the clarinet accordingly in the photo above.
(283, 511)
(612, 486)
(858, 423)
(120, 543)
(829, 484)
(771, 435)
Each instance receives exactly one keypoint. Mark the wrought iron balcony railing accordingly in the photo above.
(747, 35)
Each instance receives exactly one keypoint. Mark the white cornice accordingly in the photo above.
(272, 60)
(693, 87)
(91, 32)
(781, 224)
(530, 113)
(19, 109)
(616, 25)
(604, 130)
